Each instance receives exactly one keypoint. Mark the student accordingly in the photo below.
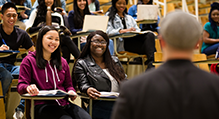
(93, 5)
(211, 31)
(177, 89)
(13, 38)
(121, 22)
(96, 70)
(62, 5)
(133, 12)
(2, 2)
(38, 19)
(23, 15)
(55, 74)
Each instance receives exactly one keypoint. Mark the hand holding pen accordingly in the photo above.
(4, 46)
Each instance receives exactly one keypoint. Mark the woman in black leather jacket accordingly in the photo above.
(96, 70)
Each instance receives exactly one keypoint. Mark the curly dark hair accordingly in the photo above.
(112, 11)
(78, 19)
(116, 71)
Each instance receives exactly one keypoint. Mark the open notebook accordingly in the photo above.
(147, 12)
(94, 22)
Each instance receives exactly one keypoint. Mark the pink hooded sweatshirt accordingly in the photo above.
(48, 78)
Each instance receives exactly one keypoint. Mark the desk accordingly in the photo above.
(32, 98)
(146, 21)
(91, 101)
(122, 35)
(6, 53)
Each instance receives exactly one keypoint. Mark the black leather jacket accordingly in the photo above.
(89, 74)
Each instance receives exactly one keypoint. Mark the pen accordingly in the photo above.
(4, 41)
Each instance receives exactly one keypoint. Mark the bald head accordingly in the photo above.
(180, 30)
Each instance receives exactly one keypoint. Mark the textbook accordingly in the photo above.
(51, 93)
(109, 94)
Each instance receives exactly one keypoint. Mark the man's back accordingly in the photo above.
(176, 90)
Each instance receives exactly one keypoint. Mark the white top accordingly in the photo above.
(92, 7)
(33, 15)
(114, 83)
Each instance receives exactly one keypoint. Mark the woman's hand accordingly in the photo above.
(93, 93)
(32, 89)
(72, 97)
(127, 30)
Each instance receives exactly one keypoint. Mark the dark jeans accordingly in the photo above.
(71, 111)
(101, 109)
(68, 46)
(211, 49)
(6, 72)
(141, 44)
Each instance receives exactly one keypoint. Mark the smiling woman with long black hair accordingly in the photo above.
(96, 70)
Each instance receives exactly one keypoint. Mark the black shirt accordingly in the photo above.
(18, 38)
(37, 21)
(123, 22)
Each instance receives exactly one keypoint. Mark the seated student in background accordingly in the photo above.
(177, 89)
(76, 19)
(11, 38)
(38, 19)
(61, 2)
(96, 70)
(54, 74)
(2, 2)
(24, 15)
(93, 5)
(121, 22)
(133, 12)
(211, 31)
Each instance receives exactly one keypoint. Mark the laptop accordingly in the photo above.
(147, 12)
(94, 22)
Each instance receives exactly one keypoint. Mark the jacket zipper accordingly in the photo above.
(91, 76)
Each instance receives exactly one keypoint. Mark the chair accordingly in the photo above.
(126, 54)
(11, 103)
(196, 57)
(2, 105)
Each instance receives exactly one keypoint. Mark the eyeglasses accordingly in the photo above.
(99, 42)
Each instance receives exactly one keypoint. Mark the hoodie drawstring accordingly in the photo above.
(46, 74)
(56, 73)
(53, 75)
